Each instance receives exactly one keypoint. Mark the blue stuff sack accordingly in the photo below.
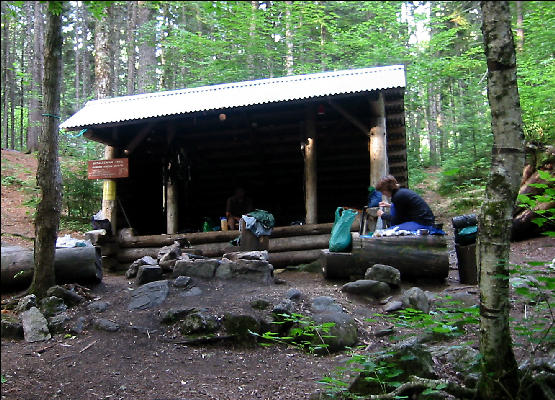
(340, 239)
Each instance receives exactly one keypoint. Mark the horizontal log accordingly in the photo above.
(287, 258)
(71, 265)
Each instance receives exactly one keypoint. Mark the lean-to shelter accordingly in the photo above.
(300, 145)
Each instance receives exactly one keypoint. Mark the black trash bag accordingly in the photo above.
(99, 222)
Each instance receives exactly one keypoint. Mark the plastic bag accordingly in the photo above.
(340, 239)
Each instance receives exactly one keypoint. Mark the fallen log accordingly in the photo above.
(286, 258)
(415, 257)
(71, 265)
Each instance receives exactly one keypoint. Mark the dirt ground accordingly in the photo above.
(144, 360)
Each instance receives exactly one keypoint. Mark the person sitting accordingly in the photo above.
(236, 206)
(408, 210)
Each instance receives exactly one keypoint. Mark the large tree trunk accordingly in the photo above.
(146, 77)
(131, 27)
(37, 71)
(5, 76)
(49, 179)
(499, 368)
(288, 38)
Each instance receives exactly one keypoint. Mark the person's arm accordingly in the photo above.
(228, 208)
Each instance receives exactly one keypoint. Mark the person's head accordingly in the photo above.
(240, 192)
(387, 185)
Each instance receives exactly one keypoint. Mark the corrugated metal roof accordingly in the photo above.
(239, 94)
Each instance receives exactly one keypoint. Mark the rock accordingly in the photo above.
(57, 323)
(392, 306)
(194, 291)
(247, 255)
(260, 304)
(410, 357)
(134, 268)
(462, 299)
(98, 306)
(105, 325)
(344, 332)
(148, 273)
(149, 295)
(26, 303)
(11, 327)
(182, 281)
(52, 305)
(258, 271)
(416, 298)
(205, 269)
(367, 287)
(325, 304)
(168, 255)
(69, 296)
(35, 326)
(240, 325)
(79, 325)
(175, 314)
(384, 273)
(538, 378)
(463, 359)
(199, 322)
(284, 307)
(293, 294)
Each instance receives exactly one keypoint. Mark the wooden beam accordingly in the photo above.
(109, 205)
(310, 169)
(136, 141)
(349, 117)
(377, 144)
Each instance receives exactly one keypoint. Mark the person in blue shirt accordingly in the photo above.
(408, 210)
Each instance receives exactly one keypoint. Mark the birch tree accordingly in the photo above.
(499, 379)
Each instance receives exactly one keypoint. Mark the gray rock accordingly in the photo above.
(69, 296)
(134, 268)
(35, 326)
(11, 327)
(205, 269)
(325, 304)
(293, 294)
(284, 307)
(168, 255)
(247, 255)
(410, 356)
(392, 306)
(416, 298)
(52, 305)
(463, 359)
(98, 306)
(462, 299)
(57, 323)
(538, 377)
(78, 326)
(367, 287)
(175, 314)
(199, 322)
(260, 304)
(26, 303)
(241, 325)
(384, 273)
(257, 271)
(194, 291)
(104, 324)
(182, 281)
(344, 332)
(148, 273)
(149, 295)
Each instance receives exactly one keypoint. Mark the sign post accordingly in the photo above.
(108, 169)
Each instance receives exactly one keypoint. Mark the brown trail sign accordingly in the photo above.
(108, 169)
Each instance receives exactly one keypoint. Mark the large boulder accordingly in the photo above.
(35, 326)
(417, 299)
(384, 273)
(69, 296)
(148, 273)
(26, 303)
(241, 325)
(343, 333)
(322, 304)
(367, 287)
(11, 327)
(134, 267)
(52, 305)
(205, 269)
(149, 295)
(199, 322)
(257, 271)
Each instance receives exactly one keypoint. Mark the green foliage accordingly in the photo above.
(82, 196)
(11, 181)
(304, 333)
(533, 202)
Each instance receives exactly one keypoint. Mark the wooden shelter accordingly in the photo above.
(300, 145)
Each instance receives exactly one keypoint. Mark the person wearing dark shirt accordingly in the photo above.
(408, 210)
(236, 206)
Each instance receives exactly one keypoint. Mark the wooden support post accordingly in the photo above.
(377, 143)
(310, 170)
(172, 207)
(109, 205)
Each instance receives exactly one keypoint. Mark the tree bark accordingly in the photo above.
(499, 377)
(49, 178)
(146, 79)
(288, 38)
(37, 72)
(310, 167)
(131, 28)
(5, 76)
(103, 87)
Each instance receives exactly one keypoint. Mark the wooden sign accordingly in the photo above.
(108, 169)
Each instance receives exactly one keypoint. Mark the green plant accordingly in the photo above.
(541, 204)
(11, 181)
(82, 196)
(303, 334)
(4, 380)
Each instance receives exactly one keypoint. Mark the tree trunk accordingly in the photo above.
(37, 72)
(5, 76)
(499, 368)
(131, 28)
(288, 38)
(11, 85)
(72, 265)
(85, 61)
(103, 53)
(115, 22)
(146, 79)
(49, 179)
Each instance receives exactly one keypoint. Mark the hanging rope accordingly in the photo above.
(51, 115)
